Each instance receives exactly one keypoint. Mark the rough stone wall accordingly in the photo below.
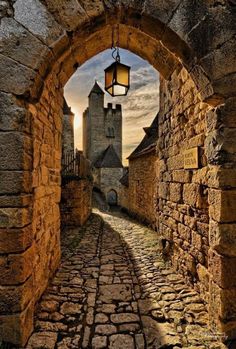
(76, 199)
(46, 181)
(98, 125)
(113, 120)
(197, 207)
(41, 39)
(124, 197)
(95, 127)
(142, 192)
(183, 194)
(110, 180)
(68, 133)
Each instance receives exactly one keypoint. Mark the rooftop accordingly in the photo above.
(108, 159)
(148, 142)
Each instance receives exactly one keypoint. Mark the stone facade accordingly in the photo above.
(68, 143)
(141, 198)
(192, 44)
(101, 126)
(76, 202)
(102, 144)
(140, 184)
(186, 217)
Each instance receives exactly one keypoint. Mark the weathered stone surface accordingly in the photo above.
(121, 341)
(99, 342)
(17, 78)
(15, 240)
(124, 317)
(223, 238)
(32, 52)
(182, 119)
(16, 328)
(15, 298)
(105, 329)
(115, 293)
(13, 117)
(35, 17)
(45, 340)
(222, 205)
(17, 268)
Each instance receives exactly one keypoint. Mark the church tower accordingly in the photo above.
(102, 127)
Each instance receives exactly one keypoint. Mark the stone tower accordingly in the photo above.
(68, 129)
(102, 127)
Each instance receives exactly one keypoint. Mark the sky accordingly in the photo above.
(139, 107)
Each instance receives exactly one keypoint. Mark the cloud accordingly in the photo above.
(139, 107)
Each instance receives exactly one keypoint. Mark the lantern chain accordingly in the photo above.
(115, 45)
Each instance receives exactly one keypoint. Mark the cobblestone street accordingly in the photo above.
(113, 290)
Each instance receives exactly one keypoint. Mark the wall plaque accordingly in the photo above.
(191, 158)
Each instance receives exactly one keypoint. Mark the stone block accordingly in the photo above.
(175, 192)
(222, 269)
(14, 182)
(32, 51)
(221, 177)
(13, 117)
(16, 328)
(224, 301)
(15, 240)
(190, 194)
(163, 190)
(196, 240)
(17, 78)
(15, 200)
(184, 232)
(181, 176)
(16, 151)
(14, 299)
(223, 238)
(14, 217)
(16, 268)
(222, 205)
(34, 16)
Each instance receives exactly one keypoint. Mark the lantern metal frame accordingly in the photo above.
(114, 67)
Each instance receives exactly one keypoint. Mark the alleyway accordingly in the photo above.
(113, 290)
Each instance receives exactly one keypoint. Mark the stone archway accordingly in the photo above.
(42, 45)
(112, 197)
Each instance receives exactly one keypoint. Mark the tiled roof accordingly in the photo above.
(97, 89)
(66, 108)
(148, 142)
(108, 159)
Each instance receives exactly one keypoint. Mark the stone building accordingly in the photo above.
(102, 143)
(76, 187)
(68, 144)
(140, 181)
(42, 44)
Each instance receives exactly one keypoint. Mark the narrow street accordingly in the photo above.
(113, 290)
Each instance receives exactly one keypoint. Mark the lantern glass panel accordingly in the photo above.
(119, 90)
(109, 75)
(122, 74)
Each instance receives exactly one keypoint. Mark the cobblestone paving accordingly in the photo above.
(113, 290)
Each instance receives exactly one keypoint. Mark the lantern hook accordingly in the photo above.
(115, 45)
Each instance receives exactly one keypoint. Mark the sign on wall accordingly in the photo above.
(191, 158)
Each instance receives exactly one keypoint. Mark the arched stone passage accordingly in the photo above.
(112, 197)
(42, 45)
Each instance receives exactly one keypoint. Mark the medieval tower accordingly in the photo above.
(101, 126)
(102, 143)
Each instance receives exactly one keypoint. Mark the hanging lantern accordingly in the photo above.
(117, 79)
(117, 75)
